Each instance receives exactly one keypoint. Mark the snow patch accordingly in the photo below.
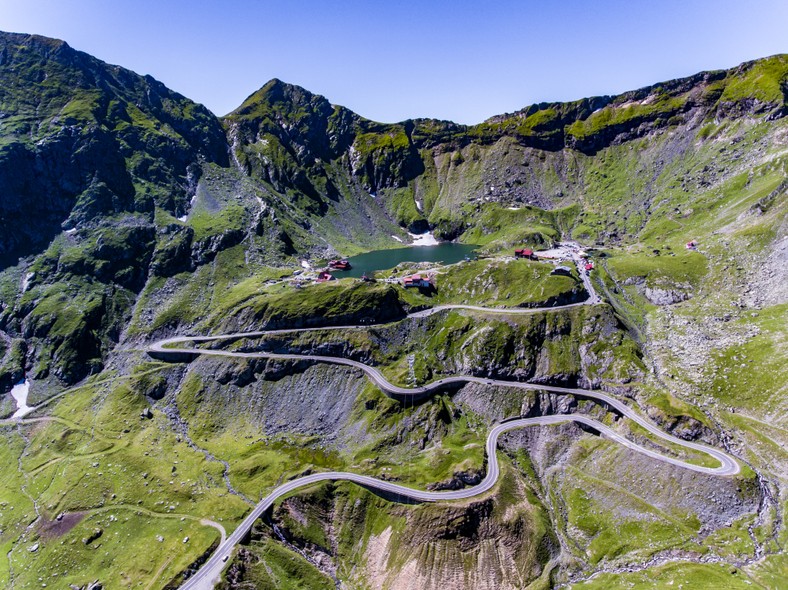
(185, 216)
(425, 239)
(26, 281)
(73, 230)
(419, 206)
(396, 238)
(373, 194)
(514, 208)
(19, 393)
(306, 265)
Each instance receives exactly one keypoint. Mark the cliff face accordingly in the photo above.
(426, 173)
(92, 149)
(82, 139)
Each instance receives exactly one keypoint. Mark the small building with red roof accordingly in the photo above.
(418, 281)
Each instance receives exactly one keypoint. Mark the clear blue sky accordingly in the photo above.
(393, 60)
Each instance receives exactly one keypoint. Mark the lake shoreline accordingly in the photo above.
(380, 260)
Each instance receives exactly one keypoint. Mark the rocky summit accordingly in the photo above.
(594, 396)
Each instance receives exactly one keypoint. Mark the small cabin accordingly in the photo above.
(562, 270)
(525, 253)
(692, 245)
(324, 276)
(589, 266)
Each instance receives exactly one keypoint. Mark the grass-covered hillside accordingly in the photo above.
(610, 160)
(128, 214)
(80, 139)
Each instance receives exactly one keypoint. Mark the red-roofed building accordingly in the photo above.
(418, 281)
(589, 266)
(324, 276)
(524, 253)
(340, 264)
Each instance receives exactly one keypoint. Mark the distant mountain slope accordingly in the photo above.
(94, 149)
(424, 172)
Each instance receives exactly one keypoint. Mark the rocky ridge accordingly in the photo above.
(156, 210)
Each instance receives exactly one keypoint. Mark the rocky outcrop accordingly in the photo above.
(459, 480)
(276, 395)
(206, 250)
(12, 361)
(660, 296)
(173, 251)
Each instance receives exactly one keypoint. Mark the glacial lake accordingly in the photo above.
(377, 260)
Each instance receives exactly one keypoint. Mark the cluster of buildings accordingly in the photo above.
(414, 281)
(529, 254)
(325, 275)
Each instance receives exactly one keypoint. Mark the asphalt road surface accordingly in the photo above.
(209, 573)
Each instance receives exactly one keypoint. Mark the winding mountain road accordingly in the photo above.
(210, 571)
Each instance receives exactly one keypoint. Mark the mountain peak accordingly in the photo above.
(16, 46)
(274, 83)
(281, 97)
(27, 40)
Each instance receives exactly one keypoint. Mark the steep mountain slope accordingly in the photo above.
(130, 213)
(81, 139)
(94, 150)
(549, 155)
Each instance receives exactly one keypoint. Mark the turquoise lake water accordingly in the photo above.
(447, 253)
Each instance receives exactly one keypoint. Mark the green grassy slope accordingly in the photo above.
(165, 220)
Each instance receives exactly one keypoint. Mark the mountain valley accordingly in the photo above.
(134, 221)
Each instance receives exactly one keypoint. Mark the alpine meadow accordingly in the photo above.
(583, 386)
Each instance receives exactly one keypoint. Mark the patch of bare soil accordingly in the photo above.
(52, 529)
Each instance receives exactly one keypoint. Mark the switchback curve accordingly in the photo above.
(207, 575)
